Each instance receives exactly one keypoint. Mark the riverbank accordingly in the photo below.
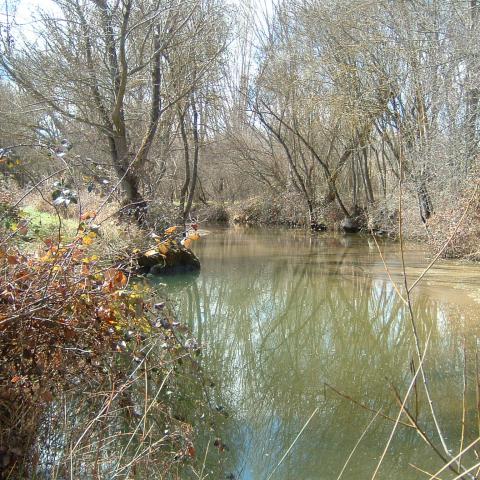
(96, 374)
(453, 230)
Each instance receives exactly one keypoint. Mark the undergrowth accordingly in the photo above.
(90, 368)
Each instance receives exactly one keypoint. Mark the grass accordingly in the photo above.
(42, 224)
(31, 226)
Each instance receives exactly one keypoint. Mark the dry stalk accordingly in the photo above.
(456, 458)
(293, 443)
(420, 353)
(365, 430)
(402, 408)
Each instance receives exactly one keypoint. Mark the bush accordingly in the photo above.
(213, 213)
(288, 209)
(458, 222)
(86, 364)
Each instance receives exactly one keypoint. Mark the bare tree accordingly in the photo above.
(104, 66)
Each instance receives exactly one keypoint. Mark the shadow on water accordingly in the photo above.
(282, 313)
(174, 284)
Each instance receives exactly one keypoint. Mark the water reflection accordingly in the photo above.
(283, 313)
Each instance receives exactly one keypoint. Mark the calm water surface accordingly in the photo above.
(283, 314)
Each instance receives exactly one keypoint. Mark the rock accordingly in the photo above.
(350, 225)
(318, 227)
(178, 259)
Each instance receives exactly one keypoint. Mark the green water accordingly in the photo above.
(281, 314)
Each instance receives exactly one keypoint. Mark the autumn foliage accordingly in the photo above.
(70, 324)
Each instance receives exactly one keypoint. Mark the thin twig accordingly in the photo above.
(365, 407)
(468, 470)
(365, 430)
(457, 457)
(411, 315)
(423, 471)
(293, 443)
(139, 424)
(464, 400)
(388, 270)
(422, 433)
(392, 433)
(204, 461)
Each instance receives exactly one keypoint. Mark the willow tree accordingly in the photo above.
(197, 113)
(318, 94)
(362, 97)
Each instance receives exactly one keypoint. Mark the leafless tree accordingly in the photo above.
(104, 66)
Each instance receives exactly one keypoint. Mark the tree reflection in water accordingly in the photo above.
(281, 313)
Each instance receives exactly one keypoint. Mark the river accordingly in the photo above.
(283, 315)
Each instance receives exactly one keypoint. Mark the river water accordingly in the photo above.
(284, 315)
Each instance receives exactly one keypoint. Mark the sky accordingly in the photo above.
(25, 13)
(26, 10)
(26, 7)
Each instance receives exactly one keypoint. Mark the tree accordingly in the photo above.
(104, 67)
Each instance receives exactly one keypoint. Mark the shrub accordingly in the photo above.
(213, 213)
(458, 223)
(85, 366)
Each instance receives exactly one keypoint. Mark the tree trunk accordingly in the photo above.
(366, 175)
(196, 156)
(473, 96)
(424, 202)
(186, 156)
